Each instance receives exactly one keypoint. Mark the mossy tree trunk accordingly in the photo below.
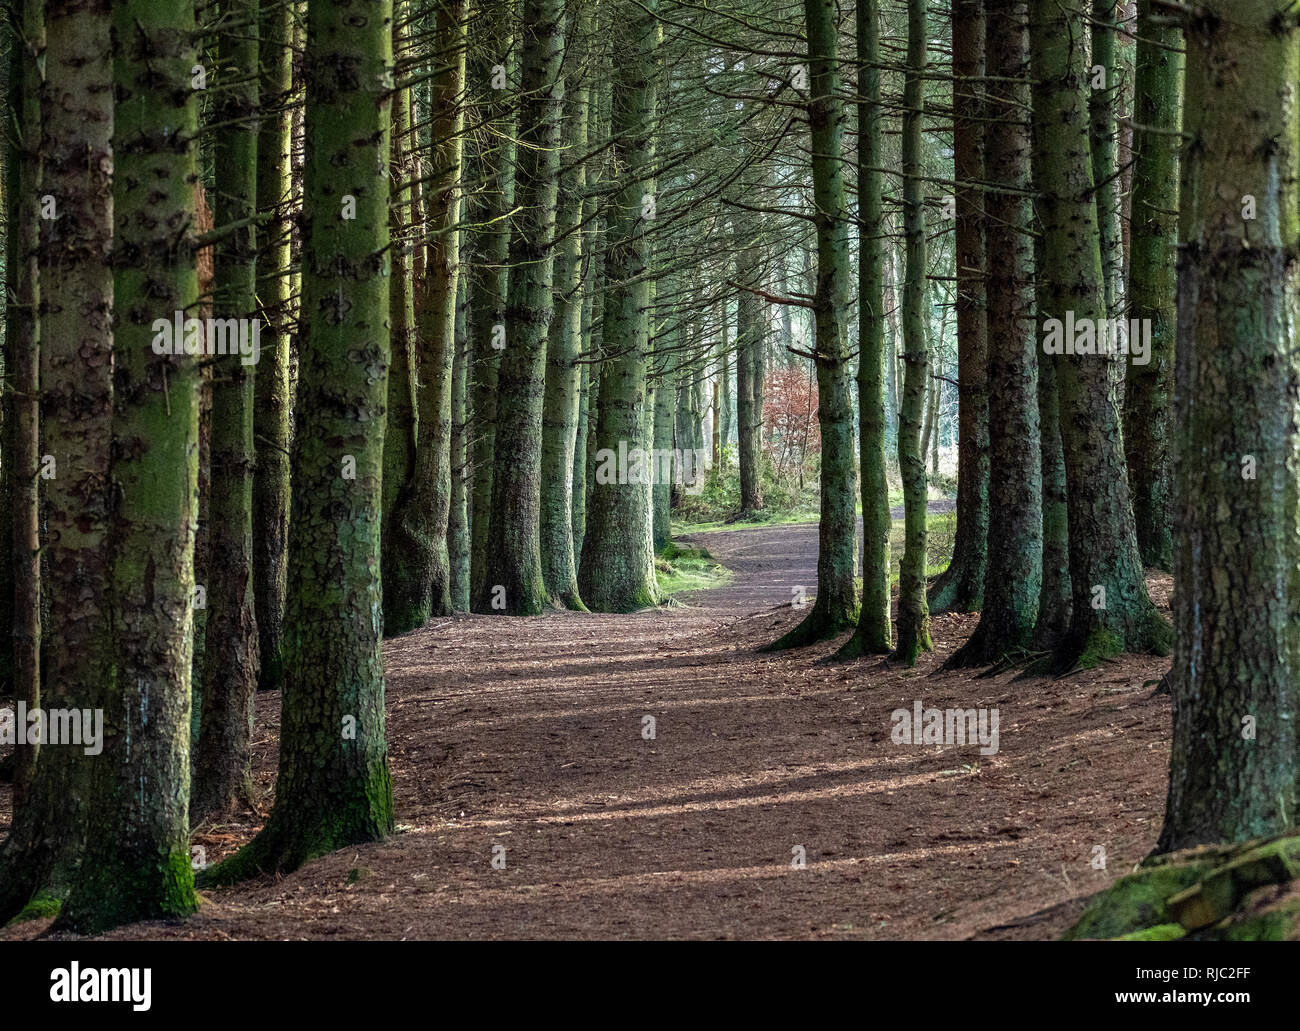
(663, 440)
(960, 587)
(401, 427)
(560, 405)
(616, 572)
(750, 370)
(222, 774)
(334, 787)
(514, 560)
(40, 859)
(1011, 586)
(1148, 390)
(20, 586)
(1233, 763)
(458, 519)
(1111, 610)
(274, 400)
(913, 611)
(494, 43)
(873, 635)
(1054, 594)
(1103, 102)
(137, 861)
(836, 606)
(417, 576)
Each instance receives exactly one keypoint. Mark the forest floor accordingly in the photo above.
(527, 734)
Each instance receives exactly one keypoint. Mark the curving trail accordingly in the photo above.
(528, 734)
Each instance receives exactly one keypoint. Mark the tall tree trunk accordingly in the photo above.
(913, 612)
(514, 563)
(401, 429)
(663, 440)
(560, 404)
(724, 373)
(1111, 610)
(489, 285)
(1055, 605)
(222, 774)
(960, 587)
(20, 589)
(40, 860)
(417, 579)
(1148, 391)
(274, 401)
(137, 861)
(1233, 764)
(616, 573)
(334, 787)
(836, 606)
(872, 636)
(1015, 538)
(1103, 101)
(458, 520)
(750, 334)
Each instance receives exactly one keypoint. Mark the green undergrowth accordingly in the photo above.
(679, 570)
(1248, 892)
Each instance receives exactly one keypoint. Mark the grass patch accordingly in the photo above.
(680, 570)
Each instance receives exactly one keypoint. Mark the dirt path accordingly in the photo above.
(528, 734)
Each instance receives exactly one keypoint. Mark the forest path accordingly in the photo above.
(527, 734)
(769, 562)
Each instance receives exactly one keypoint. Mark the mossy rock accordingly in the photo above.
(1204, 892)
(1270, 923)
(1137, 902)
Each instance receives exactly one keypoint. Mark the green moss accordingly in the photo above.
(1102, 644)
(1203, 890)
(40, 907)
(1273, 925)
(1159, 933)
(1135, 902)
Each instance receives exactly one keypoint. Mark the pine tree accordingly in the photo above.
(913, 612)
(872, 636)
(616, 571)
(334, 787)
(40, 860)
(271, 410)
(1111, 610)
(137, 861)
(417, 578)
(960, 587)
(222, 759)
(1011, 585)
(560, 405)
(1234, 762)
(1148, 389)
(514, 561)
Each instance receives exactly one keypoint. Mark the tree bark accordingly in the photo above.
(1111, 610)
(960, 587)
(222, 776)
(1233, 764)
(913, 611)
(1148, 390)
(334, 787)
